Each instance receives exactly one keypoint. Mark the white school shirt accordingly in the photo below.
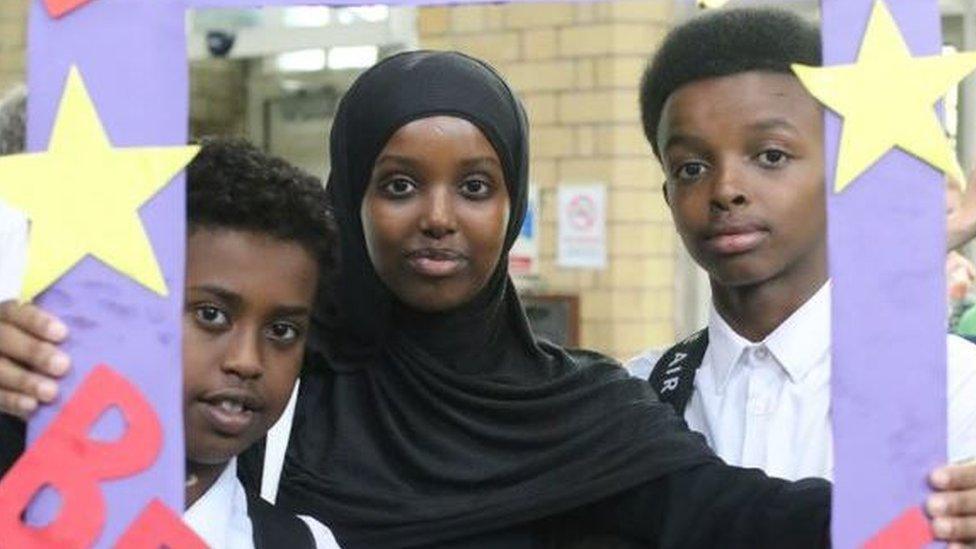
(220, 517)
(13, 251)
(767, 404)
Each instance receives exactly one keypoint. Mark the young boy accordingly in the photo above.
(259, 236)
(740, 141)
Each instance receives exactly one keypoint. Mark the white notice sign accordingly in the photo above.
(582, 239)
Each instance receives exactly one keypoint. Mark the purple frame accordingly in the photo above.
(886, 250)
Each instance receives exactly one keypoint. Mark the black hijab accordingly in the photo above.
(420, 427)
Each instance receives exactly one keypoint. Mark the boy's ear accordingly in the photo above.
(664, 191)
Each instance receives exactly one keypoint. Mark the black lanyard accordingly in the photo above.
(673, 376)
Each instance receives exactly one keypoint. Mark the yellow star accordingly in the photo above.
(82, 196)
(887, 99)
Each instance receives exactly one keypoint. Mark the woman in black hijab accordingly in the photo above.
(429, 414)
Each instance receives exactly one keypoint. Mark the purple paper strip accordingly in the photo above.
(887, 254)
(132, 58)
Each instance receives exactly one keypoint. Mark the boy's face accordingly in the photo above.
(247, 306)
(744, 159)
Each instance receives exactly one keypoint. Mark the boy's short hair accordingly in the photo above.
(723, 43)
(233, 185)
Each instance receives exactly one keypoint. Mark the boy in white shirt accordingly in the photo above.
(740, 141)
(259, 236)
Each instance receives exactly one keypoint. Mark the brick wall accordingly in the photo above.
(576, 67)
(13, 32)
(218, 97)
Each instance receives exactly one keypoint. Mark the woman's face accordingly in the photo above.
(435, 213)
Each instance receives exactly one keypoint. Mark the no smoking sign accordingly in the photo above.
(582, 226)
(582, 213)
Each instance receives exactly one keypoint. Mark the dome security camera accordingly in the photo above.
(219, 43)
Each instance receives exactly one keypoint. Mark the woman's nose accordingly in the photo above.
(439, 218)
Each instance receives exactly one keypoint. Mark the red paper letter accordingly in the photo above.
(157, 527)
(49, 462)
(67, 460)
(57, 8)
(139, 445)
(909, 531)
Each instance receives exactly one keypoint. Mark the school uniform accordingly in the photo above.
(229, 517)
(767, 404)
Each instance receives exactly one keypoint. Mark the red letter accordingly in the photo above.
(910, 530)
(57, 8)
(139, 445)
(67, 460)
(157, 527)
(50, 462)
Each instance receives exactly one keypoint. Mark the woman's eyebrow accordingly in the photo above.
(397, 159)
(481, 162)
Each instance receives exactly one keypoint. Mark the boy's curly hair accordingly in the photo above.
(231, 184)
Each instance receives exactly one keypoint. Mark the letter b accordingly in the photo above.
(67, 459)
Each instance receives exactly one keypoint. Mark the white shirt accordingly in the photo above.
(220, 517)
(767, 404)
(13, 251)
